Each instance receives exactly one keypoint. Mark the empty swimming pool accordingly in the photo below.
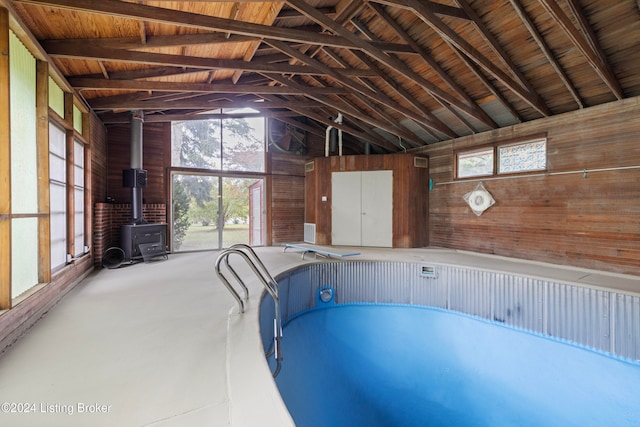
(386, 365)
(414, 344)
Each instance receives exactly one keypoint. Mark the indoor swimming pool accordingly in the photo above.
(388, 365)
(414, 344)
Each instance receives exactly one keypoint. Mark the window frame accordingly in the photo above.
(495, 147)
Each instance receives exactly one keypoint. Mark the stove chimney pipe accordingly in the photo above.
(137, 177)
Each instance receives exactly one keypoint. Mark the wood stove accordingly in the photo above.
(139, 240)
(143, 241)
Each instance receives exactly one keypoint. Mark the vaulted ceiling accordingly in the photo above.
(401, 73)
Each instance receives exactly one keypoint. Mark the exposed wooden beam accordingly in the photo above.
(142, 85)
(502, 54)
(424, 12)
(437, 124)
(603, 66)
(294, 14)
(438, 8)
(118, 103)
(542, 44)
(192, 20)
(374, 95)
(392, 62)
(115, 118)
(346, 128)
(134, 43)
(428, 58)
(103, 54)
(339, 106)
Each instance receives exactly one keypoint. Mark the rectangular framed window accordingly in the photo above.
(78, 197)
(523, 156)
(229, 144)
(58, 195)
(475, 163)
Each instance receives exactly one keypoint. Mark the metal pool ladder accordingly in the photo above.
(247, 253)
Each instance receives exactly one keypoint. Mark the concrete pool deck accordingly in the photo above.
(163, 344)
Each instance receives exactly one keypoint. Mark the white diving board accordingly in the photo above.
(320, 250)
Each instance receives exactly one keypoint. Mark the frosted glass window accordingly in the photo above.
(523, 157)
(77, 119)
(24, 167)
(56, 97)
(58, 195)
(24, 255)
(78, 197)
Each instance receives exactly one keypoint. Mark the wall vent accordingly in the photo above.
(308, 167)
(309, 233)
(421, 162)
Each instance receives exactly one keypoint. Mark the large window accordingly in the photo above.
(217, 192)
(517, 157)
(230, 144)
(24, 169)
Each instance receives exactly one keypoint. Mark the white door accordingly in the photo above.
(345, 208)
(377, 208)
(362, 208)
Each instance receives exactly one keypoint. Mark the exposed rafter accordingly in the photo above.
(588, 46)
(416, 70)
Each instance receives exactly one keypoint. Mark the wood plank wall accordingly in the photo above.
(410, 195)
(153, 160)
(591, 222)
(287, 198)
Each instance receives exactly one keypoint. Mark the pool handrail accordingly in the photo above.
(247, 253)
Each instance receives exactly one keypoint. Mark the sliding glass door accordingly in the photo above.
(215, 212)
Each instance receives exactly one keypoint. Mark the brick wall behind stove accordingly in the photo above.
(108, 217)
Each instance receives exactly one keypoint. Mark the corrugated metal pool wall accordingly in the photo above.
(604, 320)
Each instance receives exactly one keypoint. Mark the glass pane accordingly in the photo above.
(24, 255)
(242, 219)
(243, 144)
(528, 156)
(475, 163)
(58, 224)
(57, 168)
(77, 119)
(57, 140)
(24, 170)
(78, 201)
(194, 202)
(196, 144)
(78, 154)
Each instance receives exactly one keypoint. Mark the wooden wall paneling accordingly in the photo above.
(285, 190)
(560, 218)
(5, 165)
(42, 147)
(153, 161)
(410, 195)
(287, 199)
